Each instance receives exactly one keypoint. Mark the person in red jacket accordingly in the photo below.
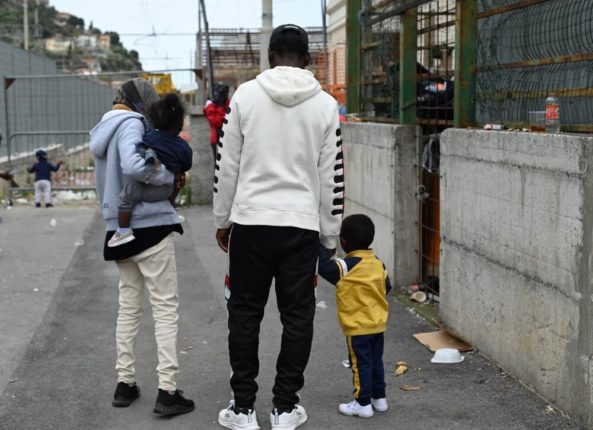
(215, 111)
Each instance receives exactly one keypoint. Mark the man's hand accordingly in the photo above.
(222, 237)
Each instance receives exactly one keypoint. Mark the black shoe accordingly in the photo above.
(125, 394)
(49, 205)
(172, 404)
(37, 205)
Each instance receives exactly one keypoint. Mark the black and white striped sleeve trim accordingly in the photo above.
(338, 200)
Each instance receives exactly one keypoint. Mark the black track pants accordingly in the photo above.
(257, 255)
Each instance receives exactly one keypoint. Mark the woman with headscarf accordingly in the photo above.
(148, 262)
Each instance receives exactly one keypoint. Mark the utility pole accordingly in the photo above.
(266, 32)
(201, 94)
(37, 30)
(325, 53)
(26, 25)
(208, 50)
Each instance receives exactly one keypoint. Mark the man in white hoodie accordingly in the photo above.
(278, 194)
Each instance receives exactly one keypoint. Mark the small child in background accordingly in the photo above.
(361, 287)
(42, 170)
(159, 146)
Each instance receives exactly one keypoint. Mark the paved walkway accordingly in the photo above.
(58, 371)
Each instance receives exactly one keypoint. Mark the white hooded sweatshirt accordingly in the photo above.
(280, 160)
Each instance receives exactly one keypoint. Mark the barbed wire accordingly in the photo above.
(525, 54)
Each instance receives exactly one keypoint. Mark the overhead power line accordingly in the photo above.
(153, 34)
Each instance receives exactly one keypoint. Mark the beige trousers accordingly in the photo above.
(155, 271)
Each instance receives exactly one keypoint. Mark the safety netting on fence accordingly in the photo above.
(530, 49)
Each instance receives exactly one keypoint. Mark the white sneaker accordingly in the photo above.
(120, 238)
(380, 405)
(354, 409)
(241, 421)
(288, 421)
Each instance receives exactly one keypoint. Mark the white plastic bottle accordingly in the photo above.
(552, 114)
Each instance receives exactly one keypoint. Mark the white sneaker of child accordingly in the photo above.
(355, 409)
(380, 405)
(120, 238)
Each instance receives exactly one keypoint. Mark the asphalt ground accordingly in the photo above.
(58, 352)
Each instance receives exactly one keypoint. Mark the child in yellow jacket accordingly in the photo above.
(361, 288)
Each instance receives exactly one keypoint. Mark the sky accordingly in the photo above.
(180, 16)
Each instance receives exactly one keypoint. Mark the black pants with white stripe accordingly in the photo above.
(366, 362)
(257, 255)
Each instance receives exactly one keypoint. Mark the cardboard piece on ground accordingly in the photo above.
(442, 339)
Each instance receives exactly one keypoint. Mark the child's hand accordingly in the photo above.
(178, 184)
(179, 181)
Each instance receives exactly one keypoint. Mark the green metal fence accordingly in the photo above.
(503, 58)
(529, 49)
(405, 57)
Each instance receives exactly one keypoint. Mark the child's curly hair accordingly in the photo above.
(358, 230)
(167, 113)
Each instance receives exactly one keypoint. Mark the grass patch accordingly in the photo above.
(428, 311)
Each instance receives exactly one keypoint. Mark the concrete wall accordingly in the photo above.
(202, 171)
(516, 266)
(381, 180)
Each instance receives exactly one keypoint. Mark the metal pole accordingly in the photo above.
(36, 30)
(7, 84)
(465, 63)
(266, 32)
(201, 94)
(325, 53)
(26, 25)
(353, 56)
(407, 66)
(208, 50)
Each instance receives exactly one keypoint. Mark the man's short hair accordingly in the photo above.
(358, 230)
(289, 39)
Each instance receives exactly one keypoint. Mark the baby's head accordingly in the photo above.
(167, 114)
(357, 232)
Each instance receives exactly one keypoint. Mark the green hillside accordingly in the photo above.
(43, 25)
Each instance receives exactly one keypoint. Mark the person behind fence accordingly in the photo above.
(215, 110)
(278, 193)
(160, 146)
(146, 264)
(43, 170)
(361, 288)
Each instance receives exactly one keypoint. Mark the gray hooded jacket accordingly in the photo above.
(113, 143)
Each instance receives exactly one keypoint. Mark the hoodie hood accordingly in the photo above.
(103, 132)
(288, 86)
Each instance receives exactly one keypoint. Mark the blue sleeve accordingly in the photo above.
(328, 268)
(387, 280)
(54, 168)
(31, 169)
(132, 163)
